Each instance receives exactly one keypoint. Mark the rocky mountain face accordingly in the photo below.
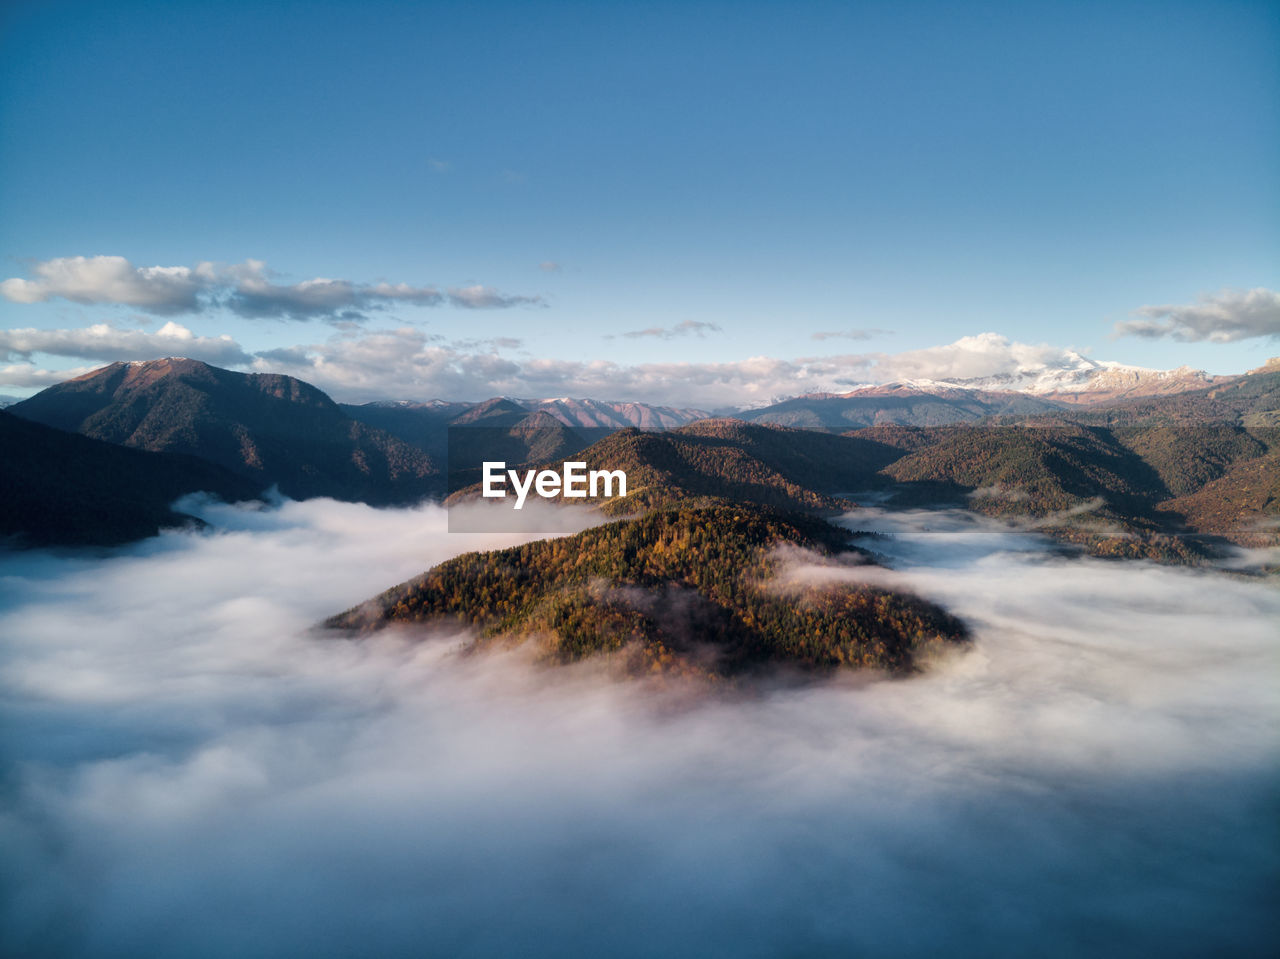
(1115, 382)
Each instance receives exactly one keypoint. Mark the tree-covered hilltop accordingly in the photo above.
(1187, 458)
(691, 588)
(1243, 503)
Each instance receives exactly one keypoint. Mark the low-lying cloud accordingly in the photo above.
(358, 364)
(190, 771)
(408, 363)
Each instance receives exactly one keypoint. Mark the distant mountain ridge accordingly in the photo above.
(1159, 464)
(584, 413)
(1085, 381)
(269, 427)
(900, 404)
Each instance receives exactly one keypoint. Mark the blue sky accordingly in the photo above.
(736, 176)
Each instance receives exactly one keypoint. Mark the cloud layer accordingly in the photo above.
(246, 289)
(1218, 318)
(407, 363)
(685, 328)
(358, 364)
(190, 771)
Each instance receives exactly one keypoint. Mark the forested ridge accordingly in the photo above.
(691, 588)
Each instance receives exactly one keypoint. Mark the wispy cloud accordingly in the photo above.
(687, 328)
(248, 289)
(490, 343)
(252, 294)
(1223, 317)
(549, 266)
(487, 298)
(850, 334)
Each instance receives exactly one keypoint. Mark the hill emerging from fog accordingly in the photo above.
(690, 590)
(901, 404)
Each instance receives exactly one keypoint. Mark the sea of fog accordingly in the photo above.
(189, 770)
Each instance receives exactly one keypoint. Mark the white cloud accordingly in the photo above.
(245, 288)
(408, 363)
(405, 363)
(108, 343)
(111, 279)
(986, 354)
(1223, 317)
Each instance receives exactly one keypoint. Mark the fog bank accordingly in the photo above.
(189, 770)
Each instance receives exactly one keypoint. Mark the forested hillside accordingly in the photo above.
(687, 589)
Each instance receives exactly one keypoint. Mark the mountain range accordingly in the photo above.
(1163, 467)
(1078, 379)
(690, 576)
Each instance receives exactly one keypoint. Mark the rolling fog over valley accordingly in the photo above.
(193, 769)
